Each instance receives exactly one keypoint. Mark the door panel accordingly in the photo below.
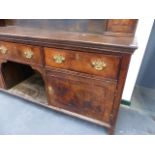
(82, 95)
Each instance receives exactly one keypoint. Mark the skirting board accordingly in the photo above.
(125, 102)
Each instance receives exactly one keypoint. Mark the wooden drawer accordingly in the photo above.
(85, 96)
(20, 52)
(92, 63)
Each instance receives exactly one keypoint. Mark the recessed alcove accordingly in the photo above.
(23, 81)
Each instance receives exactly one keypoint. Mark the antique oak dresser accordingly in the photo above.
(77, 67)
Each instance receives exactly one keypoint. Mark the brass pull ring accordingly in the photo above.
(3, 50)
(58, 58)
(28, 54)
(99, 64)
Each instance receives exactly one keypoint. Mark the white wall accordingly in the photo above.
(142, 34)
(146, 76)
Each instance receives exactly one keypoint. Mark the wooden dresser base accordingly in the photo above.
(81, 95)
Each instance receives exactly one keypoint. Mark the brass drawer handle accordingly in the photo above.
(99, 64)
(50, 89)
(3, 50)
(58, 58)
(28, 54)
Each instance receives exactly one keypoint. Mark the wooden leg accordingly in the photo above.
(111, 130)
(2, 84)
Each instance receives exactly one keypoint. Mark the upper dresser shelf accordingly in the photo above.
(86, 33)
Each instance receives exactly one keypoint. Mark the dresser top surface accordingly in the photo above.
(84, 39)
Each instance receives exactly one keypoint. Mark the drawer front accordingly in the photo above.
(20, 52)
(91, 63)
(90, 98)
(7, 50)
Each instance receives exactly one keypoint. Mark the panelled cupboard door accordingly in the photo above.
(89, 97)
